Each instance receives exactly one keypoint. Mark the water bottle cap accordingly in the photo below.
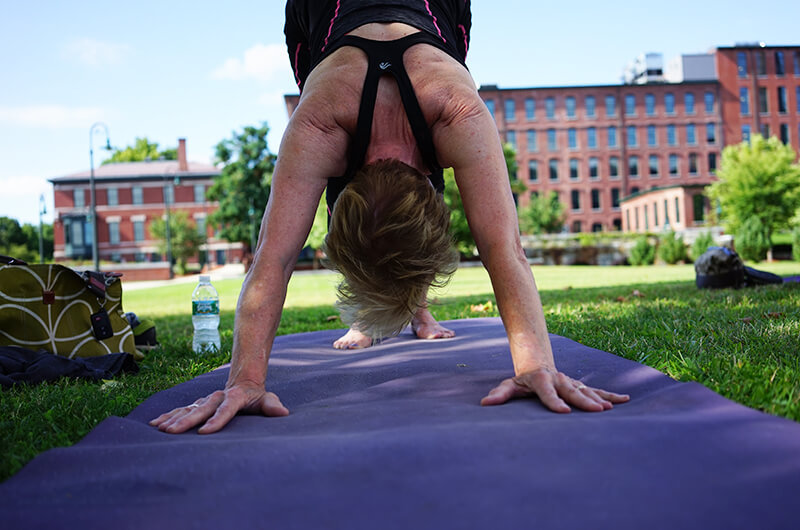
(205, 279)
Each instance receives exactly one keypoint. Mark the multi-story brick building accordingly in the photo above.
(636, 156)
(129, 196)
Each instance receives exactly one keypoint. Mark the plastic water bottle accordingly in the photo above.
(205, 317)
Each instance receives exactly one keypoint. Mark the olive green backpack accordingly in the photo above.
(52, 307)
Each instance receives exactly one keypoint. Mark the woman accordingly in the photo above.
(340, 51)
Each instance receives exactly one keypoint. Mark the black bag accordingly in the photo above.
(721, 267)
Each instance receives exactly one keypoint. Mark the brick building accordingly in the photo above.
(129, 196)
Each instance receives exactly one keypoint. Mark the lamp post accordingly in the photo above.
(93, 204)
(42, 211)
(168, 233)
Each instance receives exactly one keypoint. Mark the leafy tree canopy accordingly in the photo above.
(185, 238)
(22, 241)
(542, 215)
(759, 179)
(242, 188)
(141, 150)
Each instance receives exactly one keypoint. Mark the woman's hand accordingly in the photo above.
(219, 408)
(555, 390)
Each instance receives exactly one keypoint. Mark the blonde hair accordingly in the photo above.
(389, 238)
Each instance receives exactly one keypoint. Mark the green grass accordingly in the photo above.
(743, 344)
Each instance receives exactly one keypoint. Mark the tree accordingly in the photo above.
(243, 183)
(543, 214)
(22, 241)
(459, 228)
(316, 237)
(185, 238)
(757, 180)
(141, 150)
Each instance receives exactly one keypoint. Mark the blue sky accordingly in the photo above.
(202, 70)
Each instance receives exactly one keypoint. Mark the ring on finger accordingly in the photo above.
(193, 406)
(580, 387)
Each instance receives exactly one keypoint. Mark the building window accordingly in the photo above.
(575, 200)
(551, 140)
(574, 174)
(591, 138)
(576, 226)
(745, 133)
(650, 104)
(533, 170)
(615, 198)
(797, 63)
(550, 108)
(653, 163)
(691, 136)
(693, 163)
(510, 109)
(688, 102)
(595, 199)
(783, 106)
(784, 132)
(201, 226)
(744, 101)
(112, 196)
(699, 207)
(138, 231)
(632, 135)
(613, 167)
(646, 218)
(780, 64)
(136, 195)
(79, 198)
(612, 136)
(636, 216)
(611, 106)
(741, 63)
(763, 104)
(761, 64)
(709, 102)
(633, 166)
(530, 109)
(570, 105)
(511, 138)
(673, 165)
(672, 137)
(669, 103)
(594, 168)
(113, 233)
(553, 165)
(169, 194)
(628, 219)
(630, 105)
(651, 136)
(655, 213)
(711, 133)
(590, 106)
(712, 162)
(490, 106)
(200, 193)
(765, 130)
(797, 97)
(572, 138)
(597, 227)
(533, 145)
(677, 210)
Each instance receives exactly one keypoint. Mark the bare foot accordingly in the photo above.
(352, 340)
(425, 326)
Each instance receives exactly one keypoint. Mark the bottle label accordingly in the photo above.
(205, 307)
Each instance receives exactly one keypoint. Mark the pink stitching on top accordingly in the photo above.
(466, 44)
(330, 28)
(297, 64)
(428, 7)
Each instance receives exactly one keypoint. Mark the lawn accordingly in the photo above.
(743, 344)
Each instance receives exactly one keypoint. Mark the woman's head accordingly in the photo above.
(389, 238)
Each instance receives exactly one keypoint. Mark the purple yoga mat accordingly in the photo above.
(394, 437)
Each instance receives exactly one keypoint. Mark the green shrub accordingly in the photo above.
(701, 244)
(752, 240)
(796, 243)
(671, 248)
(642, 253)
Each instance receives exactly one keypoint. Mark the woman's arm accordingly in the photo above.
(312, 149)
(467, 140)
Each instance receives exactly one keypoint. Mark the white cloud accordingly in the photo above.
(51, 116)
(20, 198)
(260, 62)
(95, 53)
(272, 99)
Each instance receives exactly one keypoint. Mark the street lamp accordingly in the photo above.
(42, 211)
(93, 206)
(167, 198)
